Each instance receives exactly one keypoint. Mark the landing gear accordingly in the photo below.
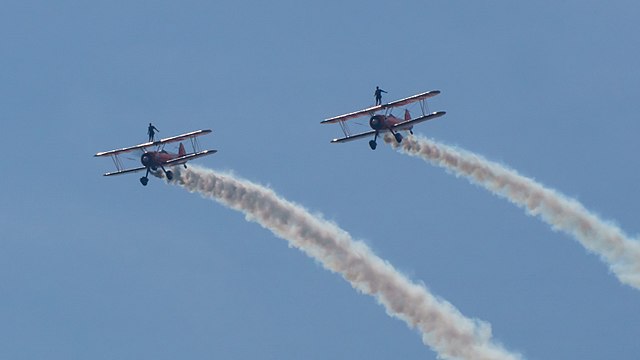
(167, 173)
(372, 143)
(145, 179)
(398, 137)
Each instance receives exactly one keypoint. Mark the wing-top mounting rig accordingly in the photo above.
(159, 158)
(386, 122)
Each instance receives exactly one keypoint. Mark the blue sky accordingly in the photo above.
(103, 268)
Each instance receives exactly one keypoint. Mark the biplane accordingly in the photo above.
(152, 160)
(386, 121)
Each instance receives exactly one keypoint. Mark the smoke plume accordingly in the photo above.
(442, 326)
(614, 247)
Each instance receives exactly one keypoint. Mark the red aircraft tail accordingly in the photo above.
(181, 150)
(407, 115)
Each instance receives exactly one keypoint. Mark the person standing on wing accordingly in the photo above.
(378, 95)
(152, 132)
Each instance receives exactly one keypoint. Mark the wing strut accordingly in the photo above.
(345, 128)
(424, 106)
(195, 144)
(117, 162)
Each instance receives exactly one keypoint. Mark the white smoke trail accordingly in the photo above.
(442, 326)
(603, 238)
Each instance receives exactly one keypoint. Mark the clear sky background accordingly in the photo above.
(102, 268)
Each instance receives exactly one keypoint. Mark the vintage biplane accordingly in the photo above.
(152, 160)
(386, 121)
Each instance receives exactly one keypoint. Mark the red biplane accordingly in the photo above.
(159, 158)
(386, 122)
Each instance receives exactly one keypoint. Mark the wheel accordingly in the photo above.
(144, 180)
(169, 175)
(398, 137)
(372, 144)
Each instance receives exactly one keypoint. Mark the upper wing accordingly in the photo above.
(352, 115)
(123, 150)
(182, 137)
(373, 109)
(184, 158)
(126, 171)
(409, 123)
(354, 137)
(411, 99)
(159, 142)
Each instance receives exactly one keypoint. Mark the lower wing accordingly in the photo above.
(409, 123)
(354, 137)
(184, 158)
(126, 171)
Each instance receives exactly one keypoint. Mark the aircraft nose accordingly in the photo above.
(146, 159)
(374, 122)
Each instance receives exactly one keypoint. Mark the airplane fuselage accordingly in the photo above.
(384, 123)
(155, 159)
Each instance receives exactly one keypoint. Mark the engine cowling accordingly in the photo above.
(376, 122)
(147, 160)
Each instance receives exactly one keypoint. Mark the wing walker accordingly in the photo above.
(152, 160)
(385, 121)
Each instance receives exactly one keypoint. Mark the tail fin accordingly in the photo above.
(407, 115)
(181, 150)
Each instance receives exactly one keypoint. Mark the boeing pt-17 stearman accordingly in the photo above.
(159, 158)
(386, 122)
